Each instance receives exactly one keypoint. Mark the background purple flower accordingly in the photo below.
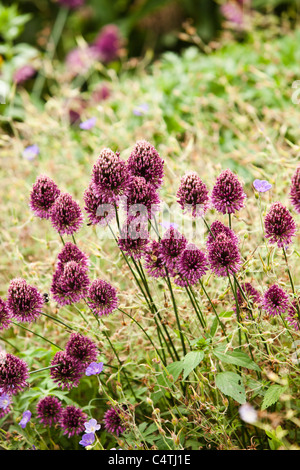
(146, 162)
(107, 44)
(25, 419)
(30, 152)
(88, 124)
(295, 190)
(72, 4)
(23, 74)
(5, 316)
(262, 185)
(275, 300)
(43, 195)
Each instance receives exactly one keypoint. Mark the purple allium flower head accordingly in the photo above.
(110, 176)
(71, 252)
(70, 284)
(80, 59)
(227, 195)
(66, 215)
(107, 43)
(280, 226)
(262, 185)
(98, 208)
(23, 74)
(43, 195)
(88, 124)
(72, 420)
(191, 265)
(133, 239)
(113, 422)
(145, 161)
(292, 314)
(233, 12)
(154, 261)
(87, 439)
(72, 4)
(141, 198)
(193, 194)
(13, 374)
(295, 190)
(5, 400)
(68, 372)
(216, 228)
(224, 256)
(24, 301)
(94, 368)
(172, 244)
(30, 152)
(25, 419)
(102, 297)
(5, 316)
(82, 348)
(92, 426)
(49, 410)
(275, 300)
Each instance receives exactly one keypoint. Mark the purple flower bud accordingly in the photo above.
(68, 370)
(224, 256)
(71, 252)
(13, 374)
(49, 410)
(192, 264)
(82, 348)
(193, 195)
(70, 284)
(43, 195)
(145, 161)
(275, 301)
(280, 226)
(72, 420)
(102, 297)
(216, 228)
(227, 194)
(24, 301)
(66, 215)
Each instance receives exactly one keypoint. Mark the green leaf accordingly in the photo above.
(272, 395)
(190, 361)
(230, 384)
(238, 358)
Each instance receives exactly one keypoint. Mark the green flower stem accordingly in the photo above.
(237, 306)
(195, 306)
(144, 331)
(36, 334)
(56, 35)
(176, 312)
(214, 309)
(291, 282)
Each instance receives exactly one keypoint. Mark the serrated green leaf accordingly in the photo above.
(231, 385)
(272, 395)
(238, 358)
(190, 361)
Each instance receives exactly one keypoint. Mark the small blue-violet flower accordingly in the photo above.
(141, 110)
(5, 401)
(92, 426)
(25, 419)
(94, 368)
(262, 185)
(31, 152)
(88, 124)
(87, 439)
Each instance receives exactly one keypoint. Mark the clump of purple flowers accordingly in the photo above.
(227, 195)
(68, 370)
(280, 226)
(172, 244)
(110, 176)
(43, 195)
(66, 216)
(191, 266)
(24, 302)
(295, 190)
(72, 420)
(275, 300)
(113, 422)
(224, 255)
(82, 348)
(193, 194)
(49, 410)
(97, 207)
(145, 161)
(102, 297)
(70, 284)
(13, 374)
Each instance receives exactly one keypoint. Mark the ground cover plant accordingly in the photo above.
(150, 255)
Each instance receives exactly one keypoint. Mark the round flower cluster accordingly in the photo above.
(280, 226)
(193, 195)
(24, 302)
